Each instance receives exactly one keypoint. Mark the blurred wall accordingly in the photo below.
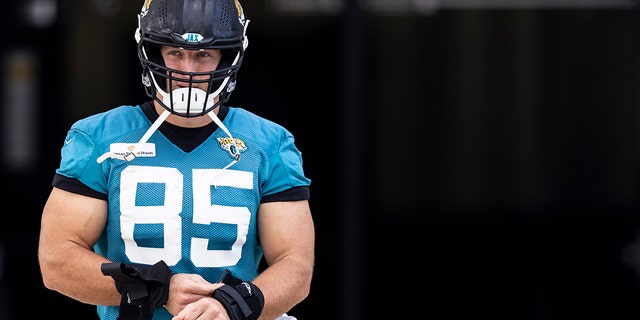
(504, 161)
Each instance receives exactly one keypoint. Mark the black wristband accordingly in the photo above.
(243, 300)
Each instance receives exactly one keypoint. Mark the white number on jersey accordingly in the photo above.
(169, 214)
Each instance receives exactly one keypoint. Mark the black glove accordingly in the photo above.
(243, 300)
(143, 287)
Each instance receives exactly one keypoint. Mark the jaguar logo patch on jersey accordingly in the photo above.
(233, 145)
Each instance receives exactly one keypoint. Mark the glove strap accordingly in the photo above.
(143, 288)
(243, 300)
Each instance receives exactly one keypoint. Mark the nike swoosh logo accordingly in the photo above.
(68, 141)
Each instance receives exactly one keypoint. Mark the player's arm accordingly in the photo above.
(70, 226)
(287, 235)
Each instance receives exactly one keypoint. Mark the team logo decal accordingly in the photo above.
(144, 10)
(233, 145)
(192, 37)
(239, 8)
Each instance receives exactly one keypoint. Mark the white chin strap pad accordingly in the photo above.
(182, 99)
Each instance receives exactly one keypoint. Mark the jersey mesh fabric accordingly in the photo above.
(179, 206)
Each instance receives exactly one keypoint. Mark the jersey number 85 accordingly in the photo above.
(168, 214)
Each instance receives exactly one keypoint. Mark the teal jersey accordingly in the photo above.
(182, 207)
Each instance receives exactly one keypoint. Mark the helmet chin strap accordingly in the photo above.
(129, 156)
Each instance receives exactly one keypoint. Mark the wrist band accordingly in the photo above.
(243, 300)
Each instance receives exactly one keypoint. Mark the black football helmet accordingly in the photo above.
(191, 24)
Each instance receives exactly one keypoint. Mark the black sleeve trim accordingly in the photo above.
(75, 186)
(293, 194)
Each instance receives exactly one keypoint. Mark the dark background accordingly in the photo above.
(466, 161)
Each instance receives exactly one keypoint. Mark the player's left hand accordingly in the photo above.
(186, 289)
(203, 309)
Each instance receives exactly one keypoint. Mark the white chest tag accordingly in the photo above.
(133, 149)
